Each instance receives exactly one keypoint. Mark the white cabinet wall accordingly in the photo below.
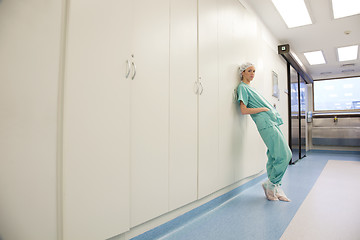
(150, 110)
(238, 43)
(30, 59)
(183, 103)
(209, 98)
(163, 108)
(226, 37)
(130, 128)
(96, 146)
(150, 123)
(228, 45)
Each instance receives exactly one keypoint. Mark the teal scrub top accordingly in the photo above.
(252, 99)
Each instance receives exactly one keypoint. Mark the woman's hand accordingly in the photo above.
(246, 110)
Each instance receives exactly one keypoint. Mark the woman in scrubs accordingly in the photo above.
(267, 121)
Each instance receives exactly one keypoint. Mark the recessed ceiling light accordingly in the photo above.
(344, 8)
(331, 87)
(348, 53)
(315, 57)
(294, 12)
(348, 65)
(349, 70)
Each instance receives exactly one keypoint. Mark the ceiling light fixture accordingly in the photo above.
(315, 57)
(348, 53)
(294, 12)
(344, 8)
(348, 65)
(349, 70)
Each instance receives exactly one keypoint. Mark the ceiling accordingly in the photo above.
(325, 34)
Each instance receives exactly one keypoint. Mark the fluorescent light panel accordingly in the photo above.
(293, 12)
(348, 53)
(315, 57)
(344, 8)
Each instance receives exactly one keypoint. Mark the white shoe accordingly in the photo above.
(280, 194)
(270, 191)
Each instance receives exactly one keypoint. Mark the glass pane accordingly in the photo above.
(302, 117)
(302, 96)
(294, 115)
(337, 94)
(294, 96)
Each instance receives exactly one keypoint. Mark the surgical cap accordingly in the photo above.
(244, 66)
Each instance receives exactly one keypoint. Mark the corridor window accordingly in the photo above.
(337, 94)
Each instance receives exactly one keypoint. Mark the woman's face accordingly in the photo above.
(249, 74)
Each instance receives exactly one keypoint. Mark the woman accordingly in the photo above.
(267, 121)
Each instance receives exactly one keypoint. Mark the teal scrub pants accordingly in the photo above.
(278, 153)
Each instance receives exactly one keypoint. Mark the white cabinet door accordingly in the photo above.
(246, 32)
(30, 47)
(183, 103)
(150, 111)
(96, 120)
(209, 99)
(229, 138)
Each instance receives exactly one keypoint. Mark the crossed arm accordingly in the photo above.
(246, 110)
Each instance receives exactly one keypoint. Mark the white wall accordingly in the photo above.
(30, 36)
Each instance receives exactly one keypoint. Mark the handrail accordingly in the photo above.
(339, 115)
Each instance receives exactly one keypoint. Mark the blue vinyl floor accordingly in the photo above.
(245, 213)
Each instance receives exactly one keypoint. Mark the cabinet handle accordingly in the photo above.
(133, 64)
(128, 68)
(202, 89)
(196, 87)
